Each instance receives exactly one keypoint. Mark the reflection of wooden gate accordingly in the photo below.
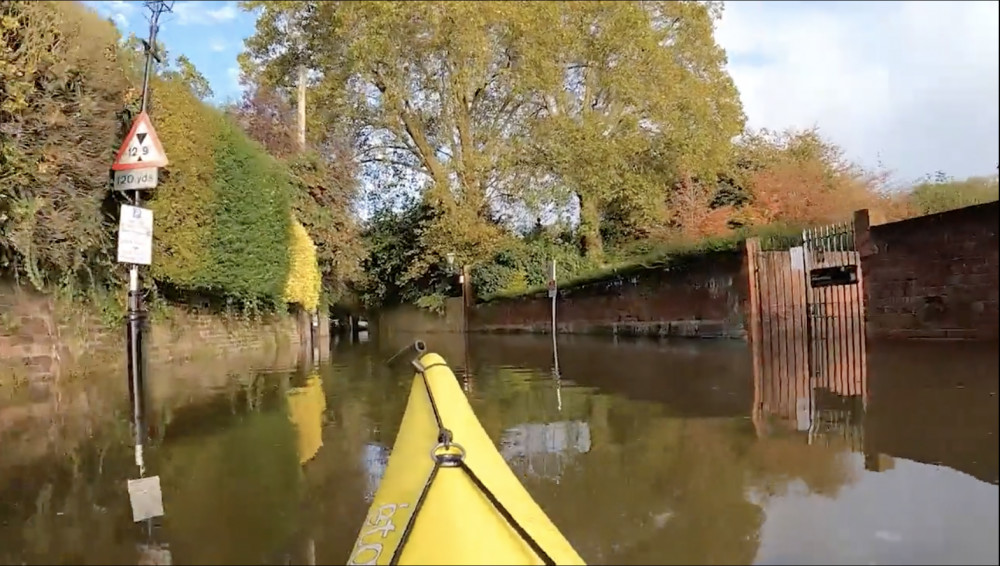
(806, 321)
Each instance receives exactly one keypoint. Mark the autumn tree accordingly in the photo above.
(800, 178)
(61, 92)
(267, 117)
(428, 94)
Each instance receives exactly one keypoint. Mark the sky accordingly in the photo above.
(908, 87)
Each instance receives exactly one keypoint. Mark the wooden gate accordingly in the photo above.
(806, 322)
(835, 304)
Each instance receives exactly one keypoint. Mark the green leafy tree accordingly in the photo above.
(183, 70)
(491, 104)
(945, 193)
(636, 102)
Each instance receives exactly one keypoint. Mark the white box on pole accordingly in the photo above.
(135, 235)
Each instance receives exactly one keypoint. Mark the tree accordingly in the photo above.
(426, 91)
(61, 92)
(797, 177)
(268, 119)
(489, 104)
(183, 70)
(945, 193)
(636, 101)
(324, 182)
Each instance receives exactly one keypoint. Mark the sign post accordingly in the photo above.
(136, 168)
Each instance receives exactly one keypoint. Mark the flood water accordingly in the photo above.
(641, 451)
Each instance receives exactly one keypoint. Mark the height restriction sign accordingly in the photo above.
(141, 148)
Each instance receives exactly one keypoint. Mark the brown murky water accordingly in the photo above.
(642, 452)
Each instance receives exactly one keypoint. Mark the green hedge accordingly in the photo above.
(249, 247)
(223, 207)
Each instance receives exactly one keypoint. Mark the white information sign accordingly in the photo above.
(136, 179)
(135, 235)
(798, 257)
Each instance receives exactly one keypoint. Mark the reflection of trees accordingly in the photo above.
(653, 488)
(306, 405)
(666, 492)
(60, 511)
(544, 449)
(365, 402)
(232, 495)
(375, 461)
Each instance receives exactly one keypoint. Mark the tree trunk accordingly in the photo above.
(590, 228)
(301, 108)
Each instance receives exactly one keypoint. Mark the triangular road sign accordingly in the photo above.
(141, 148)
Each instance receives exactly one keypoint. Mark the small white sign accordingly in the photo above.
(135, 235)
(146, 498)
(797, 255)
(137, 179)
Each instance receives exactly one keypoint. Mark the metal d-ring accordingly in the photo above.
(448, 459)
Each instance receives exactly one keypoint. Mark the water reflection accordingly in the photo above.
(641, 452)
(375, 460)
(306, 407)
(544, 449)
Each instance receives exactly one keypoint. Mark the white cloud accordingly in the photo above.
(204, 13)
(117, 10)
(913, 84)
(217, 45)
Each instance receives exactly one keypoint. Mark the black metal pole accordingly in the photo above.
(136, 316)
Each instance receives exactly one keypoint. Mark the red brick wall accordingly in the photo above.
(40, 336)
(933, 276)
(703, 296)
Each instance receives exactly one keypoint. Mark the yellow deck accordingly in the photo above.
(456, 523)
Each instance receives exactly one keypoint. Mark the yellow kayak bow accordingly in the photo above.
(448, 496)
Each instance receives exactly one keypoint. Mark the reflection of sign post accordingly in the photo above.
(135, 235)
(552, 279)
(553, 291)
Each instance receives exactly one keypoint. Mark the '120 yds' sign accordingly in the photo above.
(136, 179)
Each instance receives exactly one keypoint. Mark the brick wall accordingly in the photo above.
(702, 296)
(933, 276)
(42, 337)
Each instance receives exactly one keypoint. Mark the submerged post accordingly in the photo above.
(552, 295)
(136, 169)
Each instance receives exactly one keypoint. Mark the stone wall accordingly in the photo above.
(933, 276)
(42, 337)
(701, 296)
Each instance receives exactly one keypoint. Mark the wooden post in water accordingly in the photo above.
(553, 293)
(466, 297)
(752, 249)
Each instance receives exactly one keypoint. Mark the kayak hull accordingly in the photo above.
(454, 504)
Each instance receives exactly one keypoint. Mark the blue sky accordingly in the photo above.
(211, 34)
(913, 87)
